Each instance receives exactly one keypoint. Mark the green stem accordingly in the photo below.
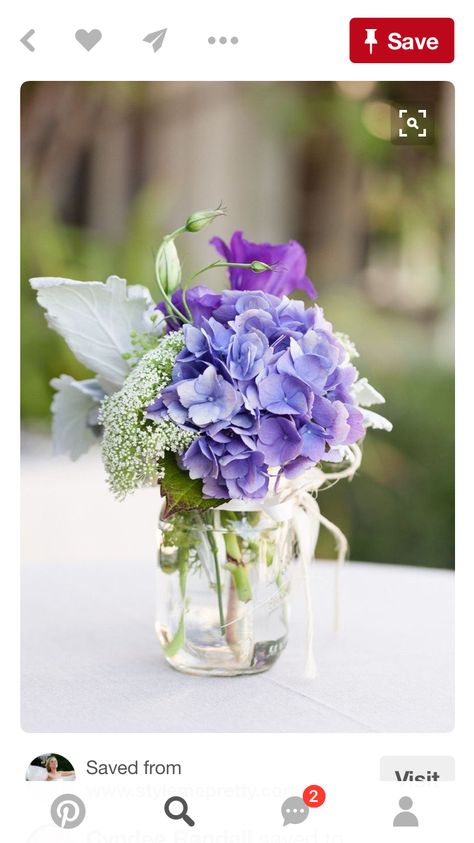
(213, 544)
(186, 306)
(232, 546)
(169, 304)
(183, 558)
(175, 234)
(240, 577)
(218, 265)
(177, 642)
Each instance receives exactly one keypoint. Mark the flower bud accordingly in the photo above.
(168, 267)
(200, 219)
(258, 266)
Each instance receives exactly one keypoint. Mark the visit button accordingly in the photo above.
(417, 768)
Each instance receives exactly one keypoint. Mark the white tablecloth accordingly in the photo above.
(91, 662)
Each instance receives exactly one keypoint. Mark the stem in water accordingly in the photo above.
(231, 630)
(213, 544)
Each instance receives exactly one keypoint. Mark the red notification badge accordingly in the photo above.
(314, 796)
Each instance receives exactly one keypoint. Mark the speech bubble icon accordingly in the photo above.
(294, 810)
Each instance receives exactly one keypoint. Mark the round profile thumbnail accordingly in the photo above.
(50, 767)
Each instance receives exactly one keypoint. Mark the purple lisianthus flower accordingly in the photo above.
(201, 300)
(285, 395)
(288, 260)
(278, 440)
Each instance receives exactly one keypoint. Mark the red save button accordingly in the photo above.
(401, 40)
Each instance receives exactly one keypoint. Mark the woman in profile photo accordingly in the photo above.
(50, 768)
(53, 771)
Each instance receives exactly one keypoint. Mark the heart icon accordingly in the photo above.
(88, 39)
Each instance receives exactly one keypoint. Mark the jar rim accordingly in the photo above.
(166, 523)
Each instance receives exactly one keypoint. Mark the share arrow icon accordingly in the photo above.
(156, 39)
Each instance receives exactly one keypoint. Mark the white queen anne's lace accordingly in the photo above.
(132, 445)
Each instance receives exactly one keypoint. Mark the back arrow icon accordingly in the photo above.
(26, 42)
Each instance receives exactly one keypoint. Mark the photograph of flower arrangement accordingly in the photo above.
(223, 389)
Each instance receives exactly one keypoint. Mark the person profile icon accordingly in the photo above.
(405, 817)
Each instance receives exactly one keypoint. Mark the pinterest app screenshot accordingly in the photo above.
(230, 606)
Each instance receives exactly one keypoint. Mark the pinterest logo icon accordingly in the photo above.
(68, 811)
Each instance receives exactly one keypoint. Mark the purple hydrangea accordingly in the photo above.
(285, 395)
(247, 354)
(202, 400)
(228, 469)
(279, 440)
(266, 385)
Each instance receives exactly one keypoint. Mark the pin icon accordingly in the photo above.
(371, 39)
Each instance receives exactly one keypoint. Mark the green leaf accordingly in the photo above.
(96, 320)
(72, 407)
(182, 494)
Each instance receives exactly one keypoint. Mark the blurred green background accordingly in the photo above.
(108, 168)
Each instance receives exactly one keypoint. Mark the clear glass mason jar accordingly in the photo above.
(222, 597)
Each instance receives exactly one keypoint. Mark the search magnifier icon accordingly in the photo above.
(412, 124)
(180, 812)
